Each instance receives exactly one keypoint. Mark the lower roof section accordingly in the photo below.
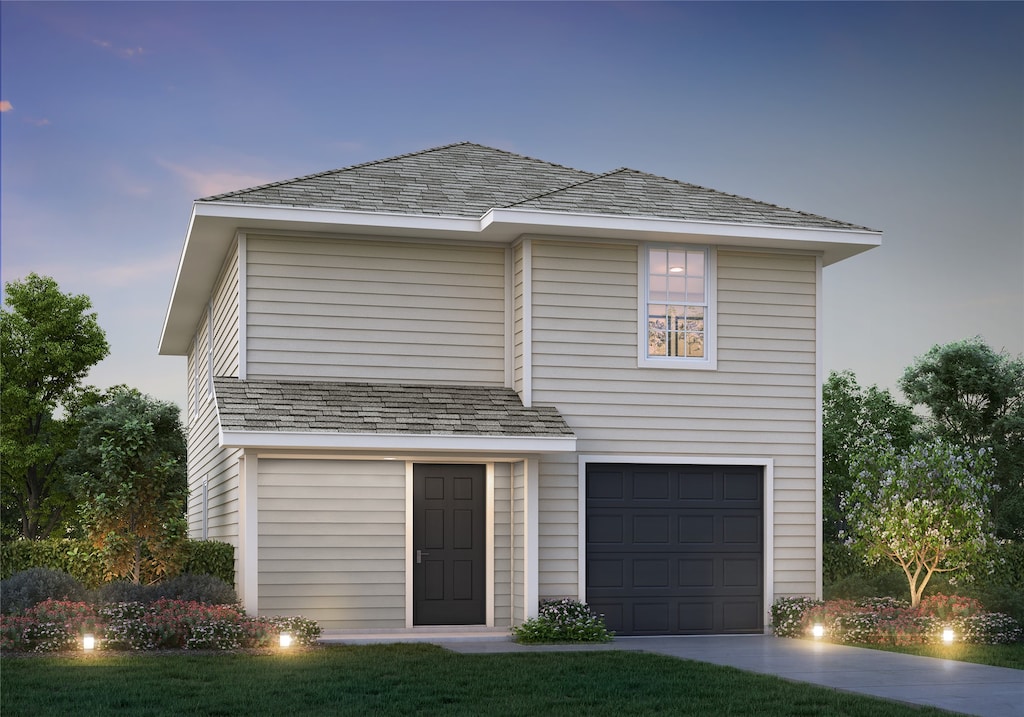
(393, 417)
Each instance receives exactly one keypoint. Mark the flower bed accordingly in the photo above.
(888, 621)
(564, 620)
(55, 625)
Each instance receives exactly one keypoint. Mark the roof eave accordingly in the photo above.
(835, 244)
(290, 440)
(214, 224)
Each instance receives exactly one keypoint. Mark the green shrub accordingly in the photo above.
(788, 614)
(27, 588)
(78, 558)
(118, 591)
(564, 620)
(210, 557)
(84, 562)
(205, 589)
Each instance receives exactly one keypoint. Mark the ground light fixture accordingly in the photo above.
(818, 631)
(88, 642)
(948, 636)
(285, 639)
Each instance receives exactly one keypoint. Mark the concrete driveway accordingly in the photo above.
(955, 686)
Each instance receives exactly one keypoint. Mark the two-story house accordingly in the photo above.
(437, 388)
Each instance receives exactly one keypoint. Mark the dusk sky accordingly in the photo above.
(908, 118)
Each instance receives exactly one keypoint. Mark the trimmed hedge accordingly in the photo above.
(83, 561)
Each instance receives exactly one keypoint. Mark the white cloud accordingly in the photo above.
(123, 52)
(205, 183)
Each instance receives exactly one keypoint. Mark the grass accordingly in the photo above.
(997, 655)
(411, 680)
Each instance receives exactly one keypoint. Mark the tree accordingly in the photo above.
(49, 342)
(851, 417)
(975, 397)
(925, 509)
(130, 473)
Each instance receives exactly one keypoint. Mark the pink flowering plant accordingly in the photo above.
(889, 621)
(564, 620)
(165, 624)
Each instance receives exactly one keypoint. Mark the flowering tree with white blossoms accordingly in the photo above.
(925, 509)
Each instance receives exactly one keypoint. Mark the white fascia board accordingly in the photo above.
(255, 215)
(397, 442)
(164, 337)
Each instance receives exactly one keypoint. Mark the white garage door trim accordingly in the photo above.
(768, 464)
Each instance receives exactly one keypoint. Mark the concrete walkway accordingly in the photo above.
(955, 686)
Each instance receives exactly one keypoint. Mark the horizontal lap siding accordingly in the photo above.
(332, 541)
(759, 403)
(375, 311)
(503, 590)
(206, 459)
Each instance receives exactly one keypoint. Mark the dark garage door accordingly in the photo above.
(676, 549)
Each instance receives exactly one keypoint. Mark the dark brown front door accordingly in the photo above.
(449, 560)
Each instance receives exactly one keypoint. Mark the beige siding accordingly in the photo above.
(332, 541)
(225, 320)
(517, 318)
(503, 540)
(558, 532)
(518, 542)
(208, 462)
(759, 403)
(375, 311)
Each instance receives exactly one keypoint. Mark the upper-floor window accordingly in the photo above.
(678, 306)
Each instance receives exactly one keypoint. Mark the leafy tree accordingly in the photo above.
(925, 509)
(130, 465)
(49, 342)
(975, 397)
(851, 416)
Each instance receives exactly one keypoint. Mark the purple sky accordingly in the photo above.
(907, 118)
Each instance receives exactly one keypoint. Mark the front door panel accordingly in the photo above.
(449, 559)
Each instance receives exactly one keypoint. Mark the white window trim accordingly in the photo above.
(710, 360)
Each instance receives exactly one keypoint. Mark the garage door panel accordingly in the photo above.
(652, 529)
(675, 549)
(698, 487)
(741, 529)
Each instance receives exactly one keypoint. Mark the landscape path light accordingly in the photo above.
(948, 636)
(88, 642)
(286, 639)
(818, 631)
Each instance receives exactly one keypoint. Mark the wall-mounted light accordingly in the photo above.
(89, 642)
(818, 631)
(286, 639)
(948, 636)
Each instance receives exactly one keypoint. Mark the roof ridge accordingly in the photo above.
(701, 187)
(592, 178)
(339, 170)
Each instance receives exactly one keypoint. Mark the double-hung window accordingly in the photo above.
(677, 307)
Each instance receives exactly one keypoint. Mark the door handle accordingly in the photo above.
(419, 556)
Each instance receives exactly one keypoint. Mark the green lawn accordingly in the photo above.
(410, 680)
(998, 655)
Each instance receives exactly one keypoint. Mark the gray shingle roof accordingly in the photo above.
(632, 193)
(330, 407)
(464, 180)
(468, 180)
